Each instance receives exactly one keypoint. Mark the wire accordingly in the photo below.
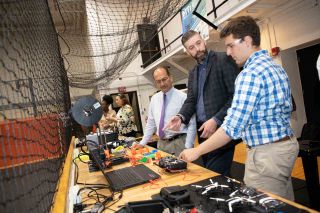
(115, 200)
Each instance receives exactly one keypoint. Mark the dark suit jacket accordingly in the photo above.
(221, 72)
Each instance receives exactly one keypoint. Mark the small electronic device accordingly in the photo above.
(172, 164)
(147, 206)
(175, 195)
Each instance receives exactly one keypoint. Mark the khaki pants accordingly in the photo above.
(173, 147)
(268, 167)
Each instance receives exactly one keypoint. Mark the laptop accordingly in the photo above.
(124, 178)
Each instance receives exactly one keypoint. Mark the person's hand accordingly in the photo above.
(110, 118)
(106, 126)
(189, 154)
(174, 124)
(136, 145)
(208, 128)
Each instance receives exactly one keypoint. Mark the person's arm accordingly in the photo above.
(101, 124)
(217, 140)
(191, 133)
(247, 94)
(187, 110)
(151, 126)
(112, 117)
(208, 128)
(248, 91)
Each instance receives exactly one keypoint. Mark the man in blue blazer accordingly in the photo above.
(210, 92)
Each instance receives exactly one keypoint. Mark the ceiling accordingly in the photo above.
(180, 62)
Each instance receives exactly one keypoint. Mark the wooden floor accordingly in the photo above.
(240, 156)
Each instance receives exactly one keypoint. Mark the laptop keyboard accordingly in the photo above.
(130, 176)
(127, 177)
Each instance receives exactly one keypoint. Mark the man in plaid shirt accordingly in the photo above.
(259, 113)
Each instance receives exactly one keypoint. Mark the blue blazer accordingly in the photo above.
(221, 72)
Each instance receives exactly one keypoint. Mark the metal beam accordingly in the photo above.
(182, 69)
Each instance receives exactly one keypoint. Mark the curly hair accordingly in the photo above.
(108, 99)
(241, 27)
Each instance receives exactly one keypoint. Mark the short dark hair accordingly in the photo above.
(241, 27)
(123, 98)
(162, 67)
(108, 99)
(186, 36)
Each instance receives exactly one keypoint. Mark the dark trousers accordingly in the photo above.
(219, 160)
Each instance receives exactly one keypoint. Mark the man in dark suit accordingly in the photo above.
(210, 92)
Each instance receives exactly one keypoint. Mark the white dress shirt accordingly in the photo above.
(174, 101)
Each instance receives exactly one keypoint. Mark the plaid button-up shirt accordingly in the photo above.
(261, 106)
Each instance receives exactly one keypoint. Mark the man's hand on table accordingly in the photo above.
(189, 154)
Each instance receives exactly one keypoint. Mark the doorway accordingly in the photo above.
(307, 60)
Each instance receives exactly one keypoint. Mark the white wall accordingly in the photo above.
(171, 31)
(288, 27)
(289, 62)
(227, 10)
(296, 24)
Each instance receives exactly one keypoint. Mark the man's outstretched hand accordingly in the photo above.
(174, 124)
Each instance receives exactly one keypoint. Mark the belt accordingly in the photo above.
(280, 140)
(173, 137)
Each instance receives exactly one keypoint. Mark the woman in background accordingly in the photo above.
(108, 120)
(125, 117)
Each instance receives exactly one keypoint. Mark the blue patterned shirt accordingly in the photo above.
(261, 106)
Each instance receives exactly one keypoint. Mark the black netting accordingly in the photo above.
(99, 38)
(34, 103)
(47, 46)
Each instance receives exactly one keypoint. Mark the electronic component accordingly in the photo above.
(171, 163)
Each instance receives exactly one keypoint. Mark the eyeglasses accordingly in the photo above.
(235, 42)
(163, 80)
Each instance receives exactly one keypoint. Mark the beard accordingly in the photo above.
(201, 55)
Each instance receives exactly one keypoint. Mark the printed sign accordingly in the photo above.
(191, 22)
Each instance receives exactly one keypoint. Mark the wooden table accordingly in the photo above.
(194, 173)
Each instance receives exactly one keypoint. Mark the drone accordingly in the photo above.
(243, 196)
